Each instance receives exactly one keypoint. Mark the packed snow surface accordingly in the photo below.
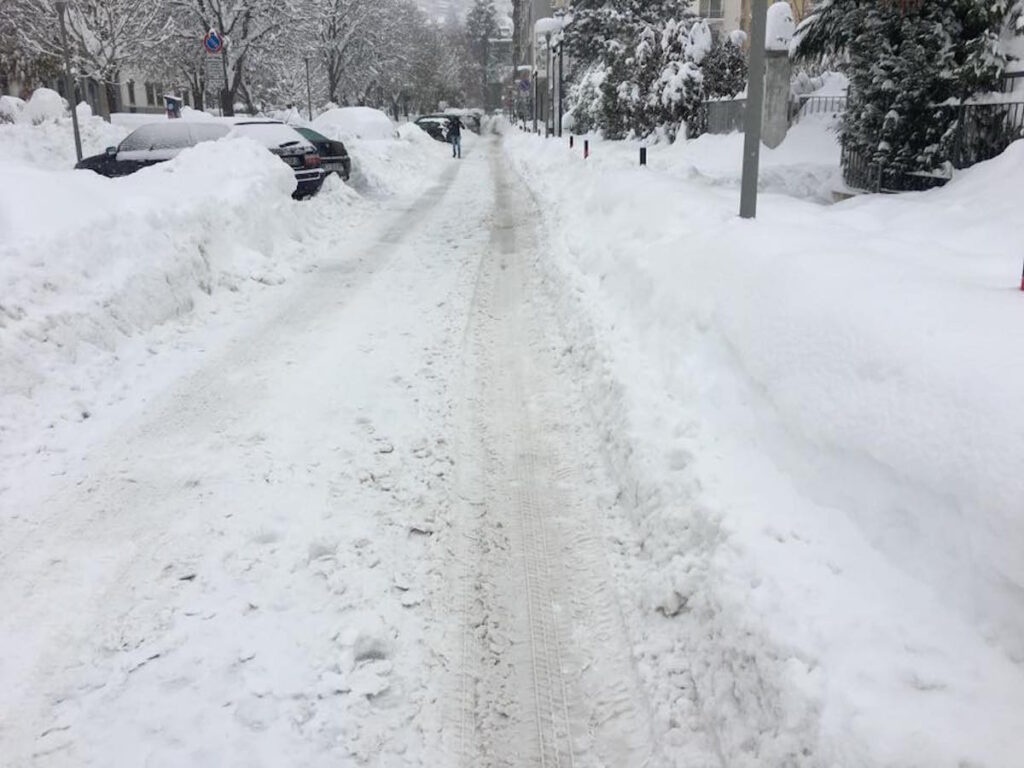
(815, 419)
(273, 471)
(202, 604)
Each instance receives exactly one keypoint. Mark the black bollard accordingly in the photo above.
(570, 141)
(643, 155)
(586, 148)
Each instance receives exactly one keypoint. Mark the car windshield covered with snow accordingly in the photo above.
(170, 138)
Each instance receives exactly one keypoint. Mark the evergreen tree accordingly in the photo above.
(905, 59)
(481, 28)
(725, 70)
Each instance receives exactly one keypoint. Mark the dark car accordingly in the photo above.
(160, 142)
(333, 155)
(288, 144)
(152, 144)
(435, 126)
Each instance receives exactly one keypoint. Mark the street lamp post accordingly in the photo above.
(560, 89)
(551, 90)
(69, 83)
(534, 99)
(754, 109)
(309, 93)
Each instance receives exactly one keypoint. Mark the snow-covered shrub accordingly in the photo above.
(45, 105)
(11, 108)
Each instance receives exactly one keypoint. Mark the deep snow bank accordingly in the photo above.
(88, 263)
(50, 142)
(405, 164)
(805, 165)
(815, 419)
(125, 254)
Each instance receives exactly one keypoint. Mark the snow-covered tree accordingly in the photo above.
(725, 69)
(905, 59)
(104, 36)
(481, 28)
(249, 27)
(643, 66)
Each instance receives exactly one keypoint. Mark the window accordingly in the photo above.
(150, 94)
(711, 9)
(131, 92)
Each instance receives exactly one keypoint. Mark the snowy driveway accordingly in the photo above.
(339, 540)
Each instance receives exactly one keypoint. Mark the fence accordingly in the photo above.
(818, 105)
(980, 132)
(723, 116)
(727, 115)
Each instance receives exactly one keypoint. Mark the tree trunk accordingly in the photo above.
(104, 101)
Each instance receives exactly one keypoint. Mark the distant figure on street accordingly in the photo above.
(455, 136)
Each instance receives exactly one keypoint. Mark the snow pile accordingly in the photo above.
(44, 105)
(355, 123)
(805, 165)
(815, 421)
(780, 29)
(405, 165)
(11, 108)
(51, 144)
(127, 254)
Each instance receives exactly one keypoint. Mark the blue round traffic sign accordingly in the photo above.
(213, 42)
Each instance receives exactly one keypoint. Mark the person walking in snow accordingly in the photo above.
(455, 136)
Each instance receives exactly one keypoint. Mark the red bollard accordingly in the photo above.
(586, 148)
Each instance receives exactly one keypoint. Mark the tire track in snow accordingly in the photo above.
(545, 676)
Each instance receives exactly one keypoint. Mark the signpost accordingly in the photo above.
(213, 44)
(69, 82)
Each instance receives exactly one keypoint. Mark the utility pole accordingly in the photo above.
(69, 83)
(309, 93)
(754, 109)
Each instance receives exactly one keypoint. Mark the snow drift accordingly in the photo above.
(39, 132)
(355, 123)
(815, 422)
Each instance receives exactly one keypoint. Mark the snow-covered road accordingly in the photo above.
(358, 532)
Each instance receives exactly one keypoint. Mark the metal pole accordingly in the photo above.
(309, 93)
(551, 86)
(536, 94)
(226, 105)
(754, 109)
(560, 90)
(69, 83)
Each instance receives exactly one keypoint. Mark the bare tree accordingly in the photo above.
(249, 28)
(105, 36)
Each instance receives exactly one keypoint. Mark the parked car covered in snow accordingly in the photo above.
(161, 141)
(151, 144)
(435, 126)
(334, 158)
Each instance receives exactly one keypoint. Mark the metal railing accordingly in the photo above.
(725, 116)
(980, 132)
(817, 105)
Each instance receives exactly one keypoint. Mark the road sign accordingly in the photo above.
(213, 42)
